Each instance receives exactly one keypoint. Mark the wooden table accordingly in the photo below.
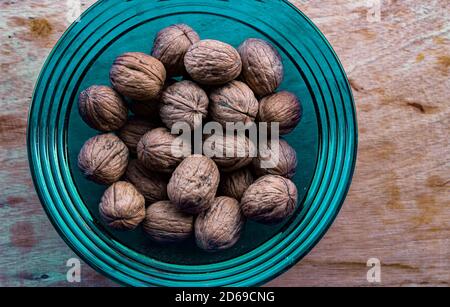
(398, 209)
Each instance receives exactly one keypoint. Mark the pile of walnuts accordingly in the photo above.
(175, 196)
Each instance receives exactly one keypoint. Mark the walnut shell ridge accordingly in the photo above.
(262, 66)
(282, 107)
(122, 207)
(138, 76)
(219, 227)
(102, 108)
(212, 62)
(152, 185)
(270, 200)
(236, 183)
(233, 103)
(165, 223)
(282, 157)
(186, 102)
(171, 45)
(158, 151)
(194, 184)
(103, 159)
(230, 152)
(133, 132)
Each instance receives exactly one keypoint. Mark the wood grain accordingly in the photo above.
(398, 209)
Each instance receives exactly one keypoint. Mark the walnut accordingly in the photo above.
(194, 184)
(138, 76)
(152, 185)
(103, 159)
(235, 184)
(186, 102)
(165, 223)
(171, 45)
(211, 62)
(219, 227)
(158, 151)
(233, 103)
(282, 107)
(270, 200)
(280, 157)
(262, 67)
(133, 132)
(102, 108)
(122, 206)
(230, 152)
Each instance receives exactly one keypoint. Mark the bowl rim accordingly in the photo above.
(291, 262)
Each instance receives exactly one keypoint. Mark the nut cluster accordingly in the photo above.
(154, 178)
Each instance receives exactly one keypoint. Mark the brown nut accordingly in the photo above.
(152, 185)
(194, 184)
(138, 76)
(102, 108)
(235, 184)
(171, 45)
(219, 227)
(233, 103)
(122, 206)
(230, 152)
(103, 159)
(165, 223)
(270, 200)
(133, 132)
(211, 62)
(282, 107)
(276, 158)
(158, 151)
(185, 102)
(262, 67)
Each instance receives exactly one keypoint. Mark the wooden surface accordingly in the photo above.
(398, 209)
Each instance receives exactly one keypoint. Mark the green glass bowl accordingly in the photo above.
(325, 141)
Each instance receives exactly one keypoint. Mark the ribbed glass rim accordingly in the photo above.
(49, 163)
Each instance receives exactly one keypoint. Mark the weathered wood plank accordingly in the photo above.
(398, 209)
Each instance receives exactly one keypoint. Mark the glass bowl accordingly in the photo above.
(325, 141)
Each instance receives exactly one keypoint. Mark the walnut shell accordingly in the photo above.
(235, 184)
(138, 76)
(133, 132)
(194, 184)
(102, 108)
(211, 62)
(270, 200)
(219, 227)
(103, 159)
(230, 152)
(171, 45)
(277, 158)
(282, 107)
(122, 206)
(186, 102)
(152, 185)
(233, 103)
(165, 223)
(262, 67)
(157, 151)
